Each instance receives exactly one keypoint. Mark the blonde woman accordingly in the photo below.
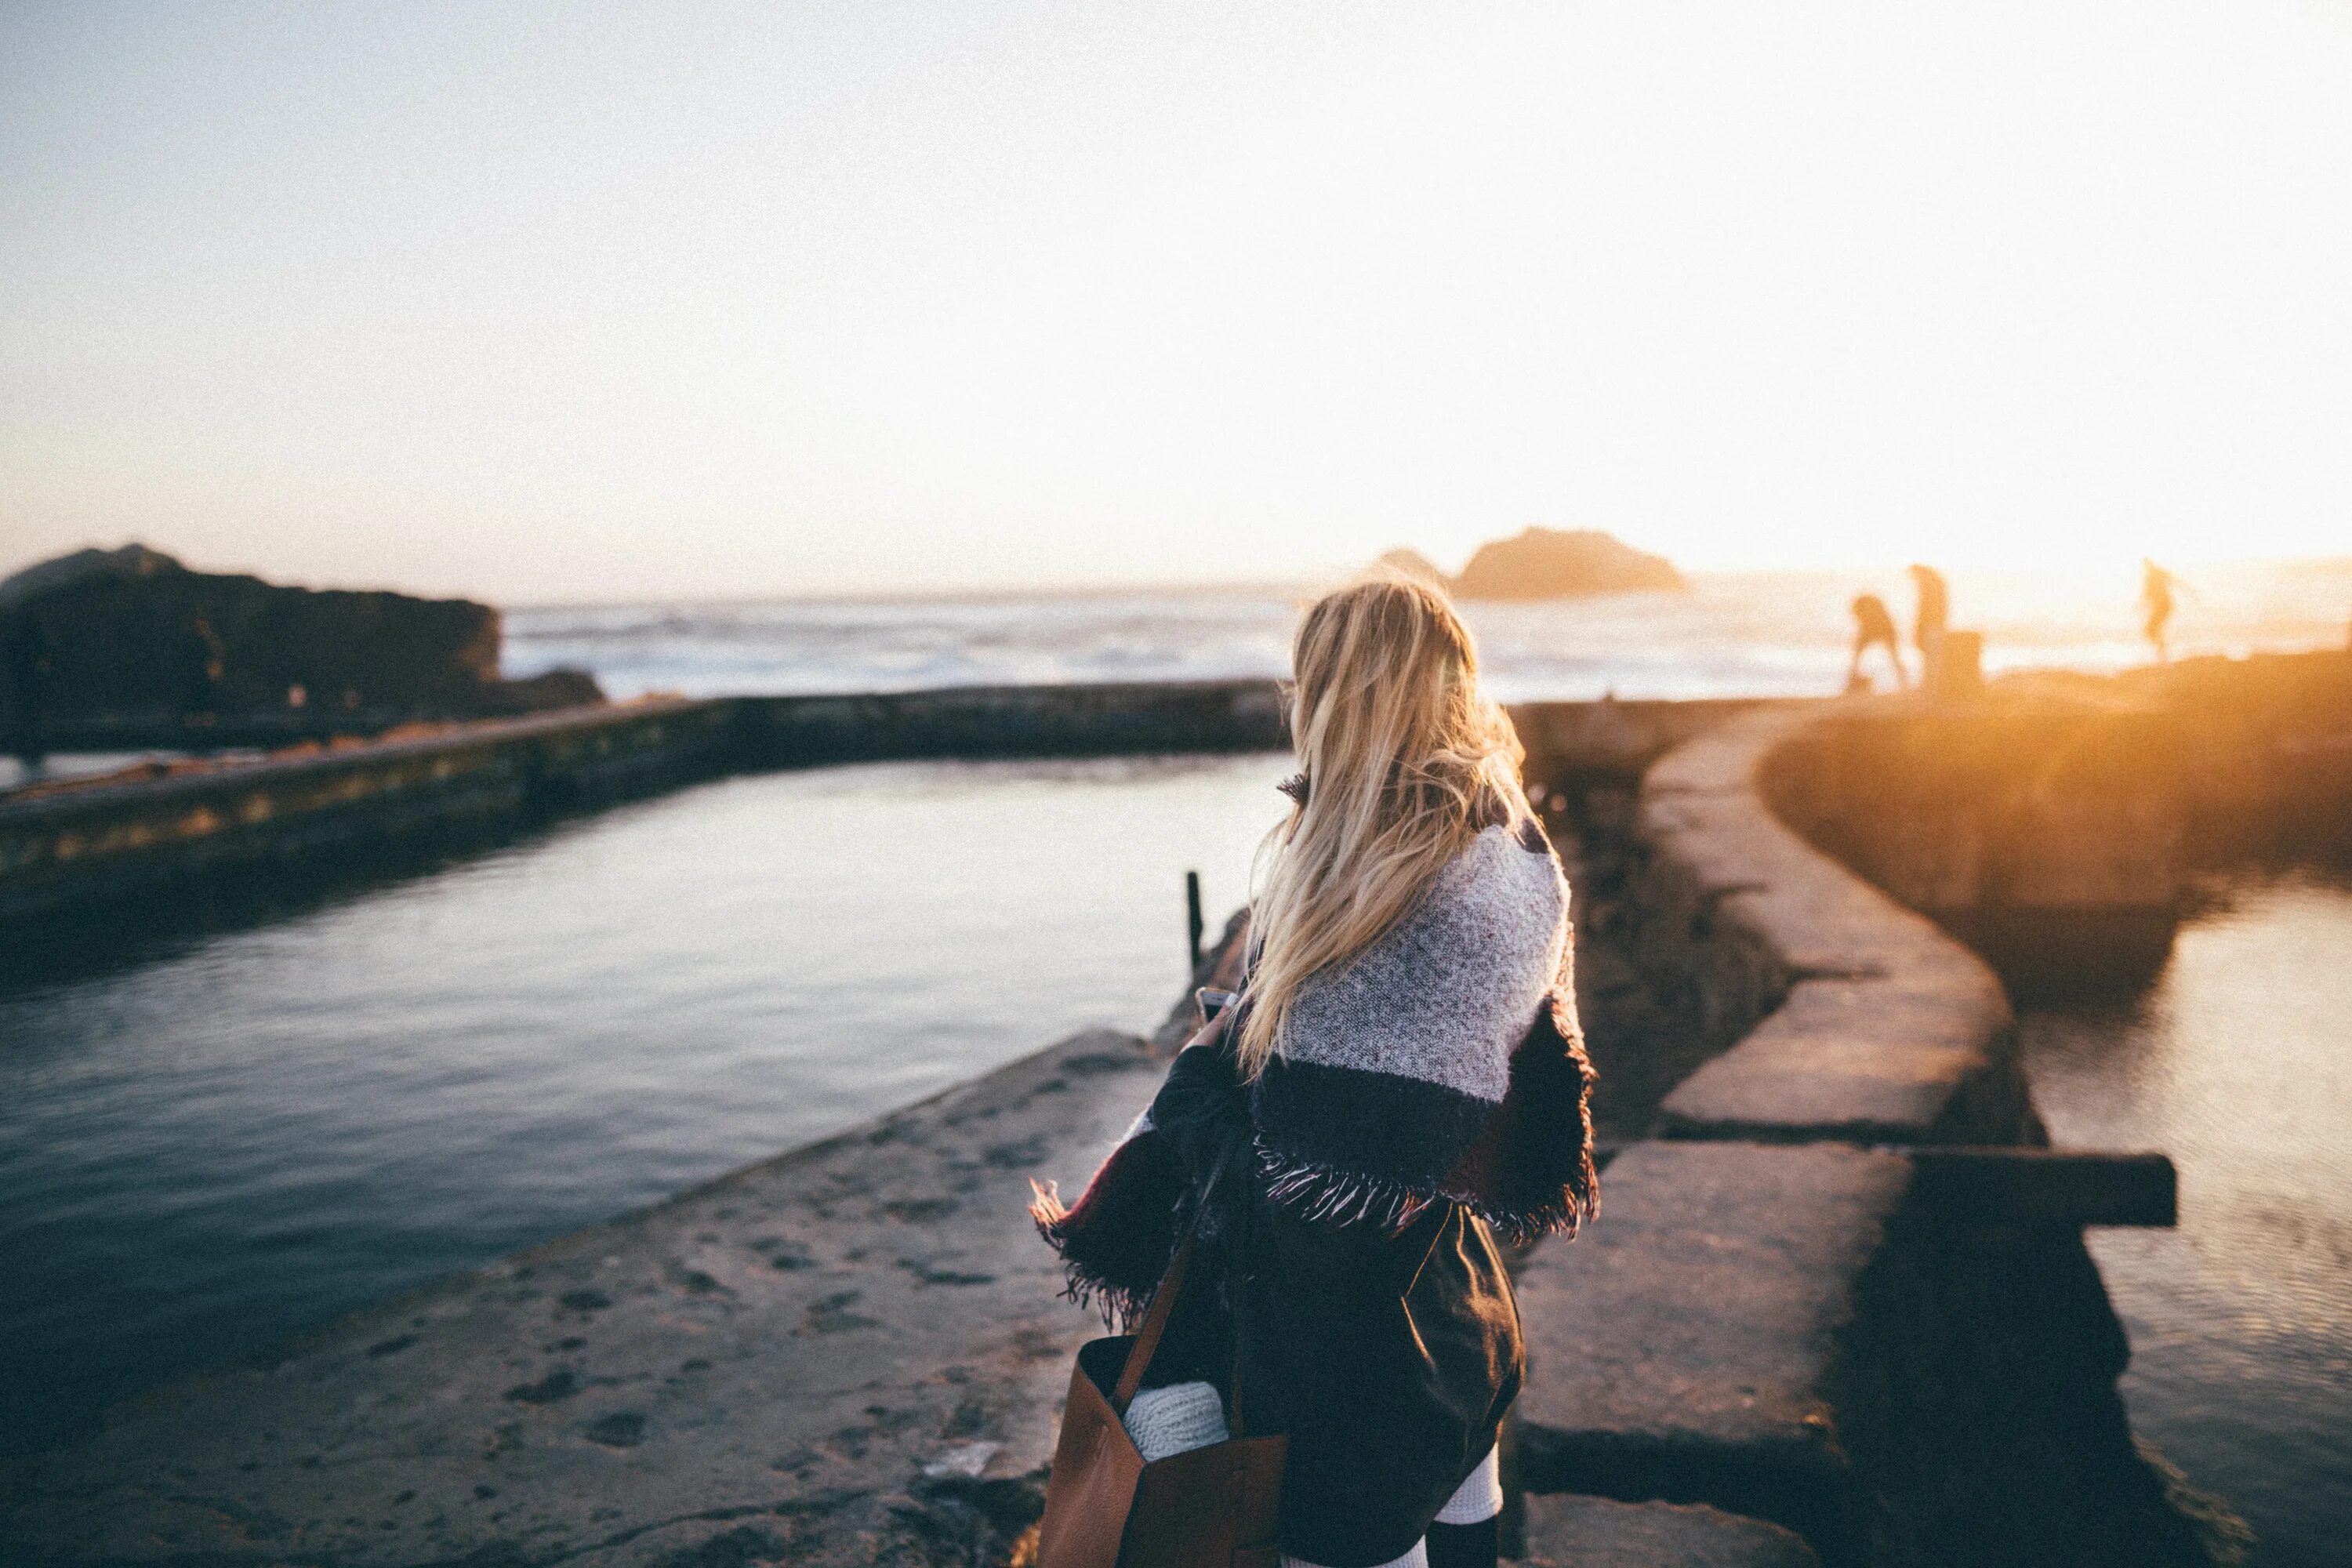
(1400, 1083)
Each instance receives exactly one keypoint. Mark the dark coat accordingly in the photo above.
(1345, 1277)
(1389, 1356)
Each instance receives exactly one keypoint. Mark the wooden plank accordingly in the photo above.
(2071, 1186)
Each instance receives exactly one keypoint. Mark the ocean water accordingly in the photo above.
(2238, 1063)
(1732, 635)
(249, 1133)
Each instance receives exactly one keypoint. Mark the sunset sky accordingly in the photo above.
(604, 301)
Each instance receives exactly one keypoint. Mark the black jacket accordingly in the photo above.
(1388, 1355)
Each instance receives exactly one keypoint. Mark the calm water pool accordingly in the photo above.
(2238, 1062)
(258, 1130)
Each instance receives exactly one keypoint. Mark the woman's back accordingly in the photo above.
(1402, 1078)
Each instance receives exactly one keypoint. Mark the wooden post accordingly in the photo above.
(1192, 923)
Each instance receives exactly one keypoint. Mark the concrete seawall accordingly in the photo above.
(1853, 1017)
(91, 847)
(106, 845)
(101, 846)
(1783, 1311)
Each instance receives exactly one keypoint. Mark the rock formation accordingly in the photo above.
(1556, 563)
(132, 634)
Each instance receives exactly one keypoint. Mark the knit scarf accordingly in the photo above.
(1442, 1062)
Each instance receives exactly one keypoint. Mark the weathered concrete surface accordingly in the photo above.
(854, 1353)
(2003, 802)
(99, 845)
(1075, 719)
(1574, 742)
(1853, 1017)
(1686, 1347)
(1569, 1531)
(1898, 1356)
(1858, 1060)
(111, 843)
(2048, 833)
(2267, 739)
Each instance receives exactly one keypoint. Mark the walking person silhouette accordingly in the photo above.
(1933, 614)
(2157, 588)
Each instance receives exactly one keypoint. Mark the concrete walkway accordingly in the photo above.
(1592, 1532)
(1688, 1348)
(1755, 1310)
(850, 1354)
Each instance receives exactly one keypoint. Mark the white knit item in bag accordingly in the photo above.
(1176, 1419)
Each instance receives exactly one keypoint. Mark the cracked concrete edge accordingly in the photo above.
(1927, 1050)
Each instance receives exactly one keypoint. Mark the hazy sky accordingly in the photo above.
(545, 302)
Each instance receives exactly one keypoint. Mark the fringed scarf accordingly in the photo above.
(1443, 1061)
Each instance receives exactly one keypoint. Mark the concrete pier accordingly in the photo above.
(1781, 1314)
(101, 846)
(105, 845)
(1855, 1017)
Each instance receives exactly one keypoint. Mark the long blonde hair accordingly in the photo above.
(1404, 761)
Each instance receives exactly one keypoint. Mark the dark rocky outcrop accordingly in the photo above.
(101, 636)
(1556, 563)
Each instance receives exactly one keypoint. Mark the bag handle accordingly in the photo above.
(1146, 1341)
(1163, 1300)
(1155, 1321)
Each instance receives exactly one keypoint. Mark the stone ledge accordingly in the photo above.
(854, 1353)
(1687, 1346)
(1861, 1019)
(1595, 1532)
(1860, 1060)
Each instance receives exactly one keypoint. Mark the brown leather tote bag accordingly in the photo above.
(1105, 1508)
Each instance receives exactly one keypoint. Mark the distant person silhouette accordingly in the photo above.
(1874, 627)
(1934, 613)
(2157, 591)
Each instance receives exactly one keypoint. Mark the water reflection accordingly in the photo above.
(260, 1127)
(2238, 1062)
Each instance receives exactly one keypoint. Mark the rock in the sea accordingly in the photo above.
(1556, 563)
(132, 634)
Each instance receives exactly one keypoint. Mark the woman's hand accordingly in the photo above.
(1212, 1032)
